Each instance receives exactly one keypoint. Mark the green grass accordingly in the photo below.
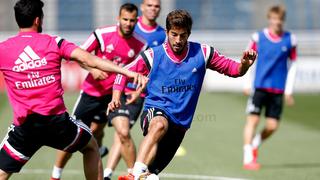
(214, 142)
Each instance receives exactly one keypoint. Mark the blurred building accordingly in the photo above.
(82, 15)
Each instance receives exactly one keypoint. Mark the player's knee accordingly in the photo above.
(253, 120)
(158, 126)
(271, 127)
(98, 134)
(92, 146)
(4, 175)
(124, 135)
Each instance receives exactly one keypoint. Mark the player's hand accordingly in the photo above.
(98, 74)
(139, 80)
(113, 105)
(289, 100)
(248, 58)
(132, 96)
(247, 91)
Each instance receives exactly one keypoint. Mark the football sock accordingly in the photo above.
(247, 154)
(56, 172)
(107, 173)
(256, 141)
(138, 169)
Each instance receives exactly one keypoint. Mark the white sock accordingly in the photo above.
(138, 169)
(247, 154)
(256, 142)
(129, 170)
(107, 173)
(56, 172)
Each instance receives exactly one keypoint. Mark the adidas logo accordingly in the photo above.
(28, 59)
(194, 70)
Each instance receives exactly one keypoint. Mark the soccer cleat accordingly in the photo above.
(54, 178)
(106, 178)
(130, 176)
(253, 166)
(126, 177)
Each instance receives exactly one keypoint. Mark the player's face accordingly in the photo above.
(127, 21)
(151, 9)
(178, 38)
(276, 22)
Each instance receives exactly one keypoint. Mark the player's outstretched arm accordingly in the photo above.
(89, 60)
(247, 60)
(96, 73)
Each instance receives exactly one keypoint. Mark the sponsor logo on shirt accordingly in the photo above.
(179, 87)
(28, 59)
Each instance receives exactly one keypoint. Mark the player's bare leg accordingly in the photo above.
(271, 126)
(63, 157)
(4, 175)
(250, 128)
(157, 129)
(128, 151)
(91, 161)
(61, 161)
(249, 131)
(97, 131)
(114, 156)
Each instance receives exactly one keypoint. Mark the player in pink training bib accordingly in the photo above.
(120, 44)
(30, 63)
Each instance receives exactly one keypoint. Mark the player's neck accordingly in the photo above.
(123, 35)
(275, 32)
(178, 57)
(30, 29)
(147, 22)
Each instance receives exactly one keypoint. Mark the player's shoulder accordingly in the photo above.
(106, 30)
(255, 35)
(139, 38)
(292, 36)
(160, 28)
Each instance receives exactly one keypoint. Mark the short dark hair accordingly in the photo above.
(179, 18)
(26, 11)
(128, 7)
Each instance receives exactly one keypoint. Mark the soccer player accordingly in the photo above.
(120, 44)
(30, 63)
(147, 26)
(274, 77)
(154, 34)
(176, 71)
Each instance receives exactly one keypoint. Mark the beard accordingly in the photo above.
(39, 29)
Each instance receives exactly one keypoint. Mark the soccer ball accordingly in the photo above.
(152, 177)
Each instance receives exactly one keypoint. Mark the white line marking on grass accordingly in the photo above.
(163, 175)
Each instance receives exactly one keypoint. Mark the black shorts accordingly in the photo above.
(168, 145)
(58, 131)
(131, 111)
(90, 108)
(272, 103)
